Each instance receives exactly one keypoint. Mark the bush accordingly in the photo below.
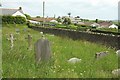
(73, 27)
(82, 28)
(13, 20)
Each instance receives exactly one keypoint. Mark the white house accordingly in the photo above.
(113, 26)
(12, 12)
(34, 22)
(54, 21)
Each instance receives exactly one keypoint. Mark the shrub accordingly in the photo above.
(13, 20)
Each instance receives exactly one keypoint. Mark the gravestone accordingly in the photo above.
(116, 72)
(74, 60)
(101, 54)
(29, 38)
(17, 30)
(42, 50)
(41, 33)
(11, 39)
(118, 53)
(25, 29)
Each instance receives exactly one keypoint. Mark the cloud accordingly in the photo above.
(103, 9)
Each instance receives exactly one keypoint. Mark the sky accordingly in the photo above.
(86, 9)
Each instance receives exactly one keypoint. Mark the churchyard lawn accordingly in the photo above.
(19, 62)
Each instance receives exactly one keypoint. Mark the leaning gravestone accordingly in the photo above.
(42, 50)
(29, 38)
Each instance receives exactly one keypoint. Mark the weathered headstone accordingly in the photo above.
(11, 39)
(41, 33)
(29, 38)
(25, 29)
(17, 30)
(116, 72)
(118, 53)
(42, 50)
(101, 54)
(74, 60)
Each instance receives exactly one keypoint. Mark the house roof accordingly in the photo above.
(105, 24)
(6, 11)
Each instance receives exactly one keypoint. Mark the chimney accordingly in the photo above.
(20, 8)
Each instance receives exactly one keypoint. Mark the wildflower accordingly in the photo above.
(72, 69)
(81, 74)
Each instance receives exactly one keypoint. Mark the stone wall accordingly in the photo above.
(108, 40)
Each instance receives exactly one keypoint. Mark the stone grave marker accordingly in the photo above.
(116, 72)
(101, 54)
(29, 38)
(118, 53)
(25, 29)
(74, 60)
(17, 30)
(11, 39)
(42, 50)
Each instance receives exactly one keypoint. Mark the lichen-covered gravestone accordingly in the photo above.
(25, 29)
(42, 50)
(17, 30)
(29, 38)
(11, 39)
(99, 55)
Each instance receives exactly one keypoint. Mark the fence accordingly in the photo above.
(108, 40)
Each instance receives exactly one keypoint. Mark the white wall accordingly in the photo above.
(113, 26)
(18, 13)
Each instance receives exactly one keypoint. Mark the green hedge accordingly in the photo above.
(13, 20)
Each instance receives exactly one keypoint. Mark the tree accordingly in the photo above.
(78, 17)
(67, 21)
(59, 19)
(96, 20)
(37, 16)
(69, 14)
(27, 16)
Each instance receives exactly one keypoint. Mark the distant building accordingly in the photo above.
(34, 22)
(95, 25)
(54, 21)
(12, 12)
(105, 24)
(74, 20)
(113, 26)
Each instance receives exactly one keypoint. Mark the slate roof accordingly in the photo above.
(9, 11)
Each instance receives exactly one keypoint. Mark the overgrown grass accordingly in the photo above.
(20, 62)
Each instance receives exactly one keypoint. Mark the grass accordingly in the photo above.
(20, 62)
(108, 29)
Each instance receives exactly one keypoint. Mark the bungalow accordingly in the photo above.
(113, 26)
(105, 24)
(54, 21)
(12, 12)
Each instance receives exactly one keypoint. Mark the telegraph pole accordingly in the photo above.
(43, 13)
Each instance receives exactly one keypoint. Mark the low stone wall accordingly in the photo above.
(108, 40)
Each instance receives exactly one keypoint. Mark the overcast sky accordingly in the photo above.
(89, 9)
